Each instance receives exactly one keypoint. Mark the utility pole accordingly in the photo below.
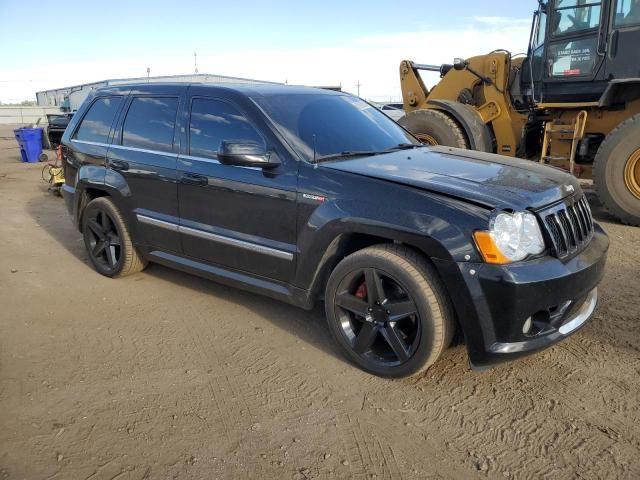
(195, 62)
(358, 85)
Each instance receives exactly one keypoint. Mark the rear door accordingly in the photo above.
(90, 140)
(243, 218)
(143, 156)
(623, 49)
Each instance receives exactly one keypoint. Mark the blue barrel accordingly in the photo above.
(30, 141)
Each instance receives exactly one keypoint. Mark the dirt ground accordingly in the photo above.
(165, 375)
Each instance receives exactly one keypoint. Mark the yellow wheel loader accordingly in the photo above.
(572, 102)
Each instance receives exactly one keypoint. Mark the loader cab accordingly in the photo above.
(578, 46)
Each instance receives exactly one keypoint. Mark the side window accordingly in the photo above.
(541, 31)
(574, 16)
(627, 13)
(213, 121)
(150, 123)
(538, 47)
(96, 124)
(574, 58)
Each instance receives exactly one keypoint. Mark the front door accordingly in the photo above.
(242, 218)
(623, 54)
(573, 58)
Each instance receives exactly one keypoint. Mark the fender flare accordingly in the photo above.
(478, 133)
(620, 90)
(98, 177)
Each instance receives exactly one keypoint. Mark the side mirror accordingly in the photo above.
(247, 155)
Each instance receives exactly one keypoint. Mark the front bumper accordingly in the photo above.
(556, 298)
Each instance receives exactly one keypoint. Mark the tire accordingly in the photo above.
(617, 153)
(433, 127)
(366, 334)
(107, 240)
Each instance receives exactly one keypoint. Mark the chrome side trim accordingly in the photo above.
(253, 247)
(122, 147)
(144, 150)
(166, 154)
(86, 142)
(236, 243)
(215, 162)
(157, 223)
(200, 159)
(582, 315)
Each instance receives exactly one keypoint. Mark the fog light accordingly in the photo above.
(526, 328)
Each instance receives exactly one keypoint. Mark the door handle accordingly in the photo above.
(194, 179)
(119, 165)
(613, 44)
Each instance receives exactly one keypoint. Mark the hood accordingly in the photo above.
(491, 180)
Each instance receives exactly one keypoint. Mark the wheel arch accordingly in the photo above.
(360, 237)
(479, 136)
(97, 181)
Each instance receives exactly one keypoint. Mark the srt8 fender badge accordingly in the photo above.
(315, 198)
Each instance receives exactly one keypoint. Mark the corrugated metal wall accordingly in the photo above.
(25, 115)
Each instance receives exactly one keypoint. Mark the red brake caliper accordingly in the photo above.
(361, 292)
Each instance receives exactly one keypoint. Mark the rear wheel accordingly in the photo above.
(107, 240)
(617, 171)
(388, 310)
(433, 127)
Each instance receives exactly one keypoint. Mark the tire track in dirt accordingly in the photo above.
(232, 409)
(288, 393)
(516, 427)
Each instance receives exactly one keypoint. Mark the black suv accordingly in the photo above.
(305, 194)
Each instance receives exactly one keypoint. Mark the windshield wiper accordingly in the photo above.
(352, 154)
(347, 154)
(404, 146)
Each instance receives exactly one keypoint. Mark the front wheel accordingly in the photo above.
(108, 241)
(388, 311)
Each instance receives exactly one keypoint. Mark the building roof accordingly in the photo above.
(162, 78)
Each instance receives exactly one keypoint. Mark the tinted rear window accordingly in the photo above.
(96, 124)
(150, 123)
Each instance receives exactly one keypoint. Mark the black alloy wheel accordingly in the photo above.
(104, 240)
(378, 317)
(388, 310)
(107, 240)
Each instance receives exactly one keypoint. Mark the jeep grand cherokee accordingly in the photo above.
(306, 195)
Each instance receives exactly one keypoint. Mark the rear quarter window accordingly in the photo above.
(96, 124)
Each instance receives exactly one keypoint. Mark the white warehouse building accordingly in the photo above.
(70, 98)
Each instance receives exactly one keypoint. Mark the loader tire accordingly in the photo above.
(433, 127)
(616, 171)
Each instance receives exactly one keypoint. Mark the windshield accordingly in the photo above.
(332, 124)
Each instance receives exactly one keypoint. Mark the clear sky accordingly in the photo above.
(67, 42)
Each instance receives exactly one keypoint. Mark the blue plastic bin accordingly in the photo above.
(30, 141)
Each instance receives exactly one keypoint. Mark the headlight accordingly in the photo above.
(511, 238)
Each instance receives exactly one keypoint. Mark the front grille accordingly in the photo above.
(569, 226)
